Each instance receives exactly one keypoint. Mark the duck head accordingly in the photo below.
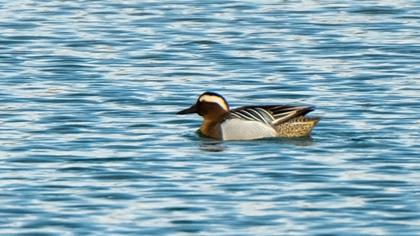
(209, 105)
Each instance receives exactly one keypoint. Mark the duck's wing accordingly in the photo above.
(271, 114)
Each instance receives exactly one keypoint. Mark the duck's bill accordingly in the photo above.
(189, 110)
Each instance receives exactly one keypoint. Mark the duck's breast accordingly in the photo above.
(238, 129)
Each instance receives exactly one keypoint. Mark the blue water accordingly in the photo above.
(90, 144)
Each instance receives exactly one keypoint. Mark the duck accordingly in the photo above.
(250, 122)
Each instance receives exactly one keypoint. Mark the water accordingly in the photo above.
(90, 143)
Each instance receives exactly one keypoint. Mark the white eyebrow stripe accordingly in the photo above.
(214, 99)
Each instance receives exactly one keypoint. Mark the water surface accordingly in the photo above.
(90, 143)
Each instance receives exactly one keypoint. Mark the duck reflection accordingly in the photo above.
(301, 141)
(213, 145)
(210, 145)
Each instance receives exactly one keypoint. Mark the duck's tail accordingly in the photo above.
(297, 127)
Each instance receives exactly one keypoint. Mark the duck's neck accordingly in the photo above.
(211, 128)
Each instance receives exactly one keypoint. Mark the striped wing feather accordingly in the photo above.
(272, 115)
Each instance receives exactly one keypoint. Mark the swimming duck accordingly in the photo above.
(250, 122)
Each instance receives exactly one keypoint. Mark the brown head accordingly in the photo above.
(209, 105)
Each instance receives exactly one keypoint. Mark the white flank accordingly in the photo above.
(238, 129)
(214, 99)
